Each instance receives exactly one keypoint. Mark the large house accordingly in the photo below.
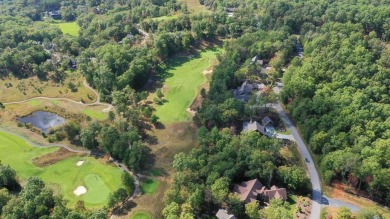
(266, 128)
(223, 214)
(244, 92)
(253, 190)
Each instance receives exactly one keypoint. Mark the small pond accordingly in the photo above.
(43, 120)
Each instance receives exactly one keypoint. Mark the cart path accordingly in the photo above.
(96, 103)
(48, 145)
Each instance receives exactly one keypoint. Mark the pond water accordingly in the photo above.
(43, 120)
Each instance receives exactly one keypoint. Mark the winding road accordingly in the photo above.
(97, 102)
(319, 200)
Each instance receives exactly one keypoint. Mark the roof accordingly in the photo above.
(230, 9)
(266, 120)
(245, 88)
(248, 191)
(254, 126)
(275, 193)
(223, 214)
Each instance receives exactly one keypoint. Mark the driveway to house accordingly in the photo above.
(317, 197)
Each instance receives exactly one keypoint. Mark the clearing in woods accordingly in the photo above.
(183, 79)
(71, 28)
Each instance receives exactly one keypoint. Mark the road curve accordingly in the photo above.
(317, 197)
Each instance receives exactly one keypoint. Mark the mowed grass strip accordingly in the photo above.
(141, 215)
(71, 28)
(64, 176)
(182, 86)
(95, 114)
(149, 186)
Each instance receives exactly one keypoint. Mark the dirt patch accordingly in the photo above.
(54, 157)
(349, 194)
(191, 112)
(207, 72)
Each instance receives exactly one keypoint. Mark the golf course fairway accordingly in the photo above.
(64, 176)
(185, 75)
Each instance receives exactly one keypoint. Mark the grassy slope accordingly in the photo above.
(64, 176)
(71, 28)
(186, 75)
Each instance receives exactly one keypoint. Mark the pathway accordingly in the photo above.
(317, 197)
(137, 189)
(136, 192)
(97, 102)
(37, 145)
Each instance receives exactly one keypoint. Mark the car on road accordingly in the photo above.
(307, 160)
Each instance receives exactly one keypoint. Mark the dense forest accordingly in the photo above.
(338, 93)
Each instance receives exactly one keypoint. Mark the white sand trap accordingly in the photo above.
(80, 162)
(80, 190)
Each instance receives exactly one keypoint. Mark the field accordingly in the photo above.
(64, 176)
(149, 186)
(95, 114)
(71, 28)
(22, 89)
(140, 215)
(184, 76)
(194, 6)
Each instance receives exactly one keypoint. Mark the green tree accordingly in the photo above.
(344, 213)
(252, 210)
(220, 189)
(154, 119)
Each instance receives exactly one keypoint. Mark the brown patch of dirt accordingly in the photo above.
(53, 157)
(304, 206)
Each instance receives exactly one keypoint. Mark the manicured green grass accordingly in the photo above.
(71, 28)
(97, 189)
(34, 102)
(64, 176)
(95, 114)
(149, 186)
(141, 215)
(184, 76)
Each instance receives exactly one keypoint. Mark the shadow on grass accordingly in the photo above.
(163, 70)
(127, 207)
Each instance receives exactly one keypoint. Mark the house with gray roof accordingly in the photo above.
(223, 214)
(252, 190)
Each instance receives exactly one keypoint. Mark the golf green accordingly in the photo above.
(185, 75)
(64, 176)
(97, 189)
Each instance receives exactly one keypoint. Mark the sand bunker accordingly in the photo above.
(206, 72)
(80, 162)
(80, 190)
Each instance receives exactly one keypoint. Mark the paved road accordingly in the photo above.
(317, 197)
(97, 102)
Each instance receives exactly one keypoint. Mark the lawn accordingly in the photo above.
(184, 76)
(149, 186)
(64, 176)
(71, 28)
(141, 215)
(95, 114)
